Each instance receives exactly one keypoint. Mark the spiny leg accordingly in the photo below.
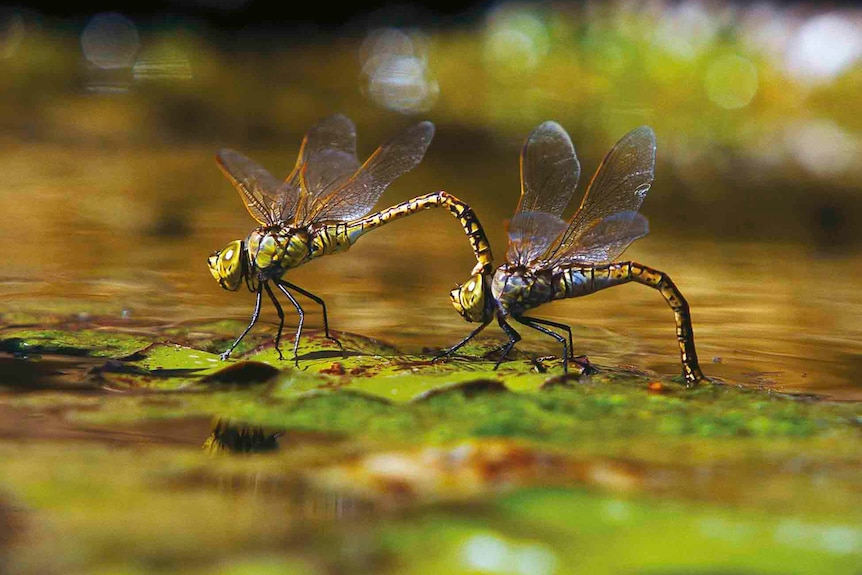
(557, 325)
(514, 337)
(280, 317)
(449, 351)
(301, 320)
(255, 314)
(319, 301)
(534, 323)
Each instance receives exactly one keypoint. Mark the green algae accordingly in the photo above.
(570, 531)
(371, 389)
(84, 342)
(300, 463)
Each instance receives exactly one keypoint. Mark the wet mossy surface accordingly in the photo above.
(125, 452)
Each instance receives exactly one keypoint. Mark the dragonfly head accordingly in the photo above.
(470, 299)
(228, 265)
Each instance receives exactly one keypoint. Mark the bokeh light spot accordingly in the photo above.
(822, 148)
(110, 40)
(396, 71)
(824, 46)
(516, 41)
(490, 553)
(731, 81)
(686, 29)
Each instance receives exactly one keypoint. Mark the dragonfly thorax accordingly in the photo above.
(273, 250)
(518, 288)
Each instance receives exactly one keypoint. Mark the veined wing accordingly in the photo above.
(357, 195)
(271, 201)
(256, 186)
(330, 146)
(549, 176)
(529, 235)
(604, 240)
(618, 188)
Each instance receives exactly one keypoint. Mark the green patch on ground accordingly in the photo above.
(571, 531)
(370, 389)
(84, 342)
(166, 460)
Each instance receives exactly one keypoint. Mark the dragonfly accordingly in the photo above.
(322, 207)
(550, 259)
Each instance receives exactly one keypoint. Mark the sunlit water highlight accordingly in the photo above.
(764, 314)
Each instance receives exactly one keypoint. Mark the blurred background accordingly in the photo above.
(111, 199)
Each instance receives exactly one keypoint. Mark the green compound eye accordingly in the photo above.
(469, 299)
(226, 266)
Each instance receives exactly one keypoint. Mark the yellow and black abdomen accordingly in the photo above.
(578, 280)
(352, 231)
(329, 238)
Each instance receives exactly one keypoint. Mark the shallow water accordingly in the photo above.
(776, 314)
(111, 202)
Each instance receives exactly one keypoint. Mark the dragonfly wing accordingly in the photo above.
(356, 196)
(549, 176)
(335, 132)
(620, 185)
(605, 240)
(332, 136)
(255, 185)
(530, 233)
(328, 171)
(549, 170)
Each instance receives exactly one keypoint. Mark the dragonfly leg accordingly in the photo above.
(449, 351)
(255, 314)
(319, 301)
(301, 313)
(280, 317)
(557, 325)
(535, 324)
(514, 337)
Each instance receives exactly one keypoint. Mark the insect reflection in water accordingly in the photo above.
(550, 259)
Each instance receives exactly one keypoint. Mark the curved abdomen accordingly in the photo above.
(577, 281)
(274, 250)
(352, 231)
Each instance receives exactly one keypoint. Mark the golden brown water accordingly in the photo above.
(126, 233)
(111, 200)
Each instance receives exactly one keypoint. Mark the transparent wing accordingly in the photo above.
(329, 146)
(605, 240)
(255, 185)
(620, 185)
(530, 233)
(549, 170)
(357, 195)
(326, 172)
(549, 176)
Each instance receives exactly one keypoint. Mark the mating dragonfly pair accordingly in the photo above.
(323, 207)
